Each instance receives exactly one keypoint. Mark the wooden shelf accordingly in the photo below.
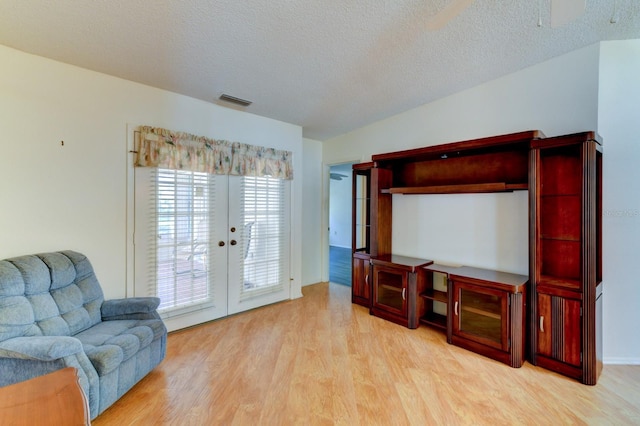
(391, 287)
(561, 238)
(458, 189)
(435, 320)
(559, 282)
(482, 312)
(431, 294)
(567, 194)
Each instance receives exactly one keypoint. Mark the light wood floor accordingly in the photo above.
(320, 360)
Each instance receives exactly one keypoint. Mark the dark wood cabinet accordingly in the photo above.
(559, 329)
(360, 286)
(485, 311)
(565, 262)
(480, 315)
(561, 320)
(361, 234)
(397, 281)
(371, 231)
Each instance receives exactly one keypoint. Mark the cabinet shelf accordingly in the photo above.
(390, 287)
(458, 189)
(560, 238)
(559, 282)
(434, 319)
(481, 312)
(567, 194)
(431, 294)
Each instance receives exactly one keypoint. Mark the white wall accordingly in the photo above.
(340, 204)
(619, 126)
(558, 97)
(312, 212)
(74, 196)
(485, 230)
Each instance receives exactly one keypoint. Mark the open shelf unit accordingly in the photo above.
(484, 310)
(429, 295)
(493, 164)
(435, 297)
(566, 256)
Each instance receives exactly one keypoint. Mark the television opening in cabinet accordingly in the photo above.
(489, 230)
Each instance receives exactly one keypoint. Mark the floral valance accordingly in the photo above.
(164, 148)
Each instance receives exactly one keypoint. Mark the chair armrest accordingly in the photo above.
(119, 308)
(40, 348)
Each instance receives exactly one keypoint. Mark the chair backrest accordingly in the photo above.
(51, 294)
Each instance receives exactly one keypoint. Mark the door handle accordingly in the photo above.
(541, 323)
(233, 242)
(455, 308)
(366, 279)
(404, 291)
(221, 243)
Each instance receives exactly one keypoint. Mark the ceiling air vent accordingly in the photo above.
(234, 100)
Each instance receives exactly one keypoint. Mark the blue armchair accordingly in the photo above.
(53, 315)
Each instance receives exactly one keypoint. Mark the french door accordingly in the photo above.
(210, 245)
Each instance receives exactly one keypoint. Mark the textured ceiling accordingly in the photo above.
(330, 66)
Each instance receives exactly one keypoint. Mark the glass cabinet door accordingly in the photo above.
(390, 289)
(361, 200)
(480, 314)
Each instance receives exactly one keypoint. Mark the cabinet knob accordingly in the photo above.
(541, 324)
(221, 243)
(233, 242)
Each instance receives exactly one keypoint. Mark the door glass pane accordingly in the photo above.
(182, 238)
(264, 235)
(362, 221)
(389, 289)
(481, 315)
(259, 240)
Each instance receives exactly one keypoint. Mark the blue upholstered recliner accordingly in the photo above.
(53, 315)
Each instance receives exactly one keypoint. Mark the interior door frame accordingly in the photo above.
(326, 179)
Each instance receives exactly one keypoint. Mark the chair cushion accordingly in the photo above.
(16, 317)
(51, 294)
(110, 343)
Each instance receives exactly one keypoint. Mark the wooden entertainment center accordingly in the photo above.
(552, 317)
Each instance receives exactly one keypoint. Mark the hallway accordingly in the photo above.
(340, 265)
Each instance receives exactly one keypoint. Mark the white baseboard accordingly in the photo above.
(621, 361)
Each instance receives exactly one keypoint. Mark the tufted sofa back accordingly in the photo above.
(50, 294)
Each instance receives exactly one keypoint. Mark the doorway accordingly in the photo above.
(340, 203)
(210, 245)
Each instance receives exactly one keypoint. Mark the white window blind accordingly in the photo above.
(181, 272)
(265, 237)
